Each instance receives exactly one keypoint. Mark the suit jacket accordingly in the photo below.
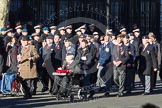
(93, 64)
(136, 45)
(157, 49)
(147, 60)
(132, 53)
(105, 54)
(12, 58)
(122, 55)
(85, 64)
(6, 40)
(75, 39)
(71, 49)
(74, 67)
(48, 58)
(37, 45)
(57, 55)
(68, 36)
(93, 50)
(17, 35)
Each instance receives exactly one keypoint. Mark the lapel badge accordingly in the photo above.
(107, 49)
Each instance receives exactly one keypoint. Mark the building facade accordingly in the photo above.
(147, 14)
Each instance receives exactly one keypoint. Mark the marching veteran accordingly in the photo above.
(27, 65)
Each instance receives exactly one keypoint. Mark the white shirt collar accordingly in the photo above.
(119, 44)
(127, 44)
(145, 46)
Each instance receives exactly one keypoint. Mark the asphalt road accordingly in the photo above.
(45, 100)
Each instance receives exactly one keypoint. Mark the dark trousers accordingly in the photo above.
(32, 84)
(45, 78)
(50, 70)
(25, 86)
(129, 81)
(153, 79)
(142, 78)
(160, 74)
(60, 85)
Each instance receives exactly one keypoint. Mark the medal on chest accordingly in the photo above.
(107, 49)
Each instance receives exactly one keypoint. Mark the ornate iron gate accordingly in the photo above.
(144, 13)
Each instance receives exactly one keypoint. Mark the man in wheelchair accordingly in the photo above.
(61, 82)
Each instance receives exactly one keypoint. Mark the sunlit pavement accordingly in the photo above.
(45, 100)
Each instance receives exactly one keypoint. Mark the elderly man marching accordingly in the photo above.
(27, 66)
(147, 63)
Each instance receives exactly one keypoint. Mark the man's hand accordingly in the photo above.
(70, 72)
(128, 65)
(98, 65)
(43, 65)
(114, 62)
(155, 69)
(60, 68)
(19, 58)
(118, 63)
(30, 58)
(9, 44)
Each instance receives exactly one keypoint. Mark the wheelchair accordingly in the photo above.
(74, 88)
(10, 86)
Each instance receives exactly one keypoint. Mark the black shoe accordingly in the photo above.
(44, 89)
(33, 92)
(120, 95)
(27, 96)
(146, 93)
(58, 97)
(102, 89)
(151, 91)
(92, 93)
(106, 94)
(128, 92)
(50, 90)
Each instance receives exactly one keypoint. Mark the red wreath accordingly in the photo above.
(62, 71)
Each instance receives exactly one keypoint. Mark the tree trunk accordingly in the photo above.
(4, 11)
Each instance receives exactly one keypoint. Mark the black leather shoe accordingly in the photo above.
(58, 97)
(92, 93)
(107, 94)
(146, 93)
(44, 89)
(27, 96)
(33, 92)
(128, 92)
(120, 95)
